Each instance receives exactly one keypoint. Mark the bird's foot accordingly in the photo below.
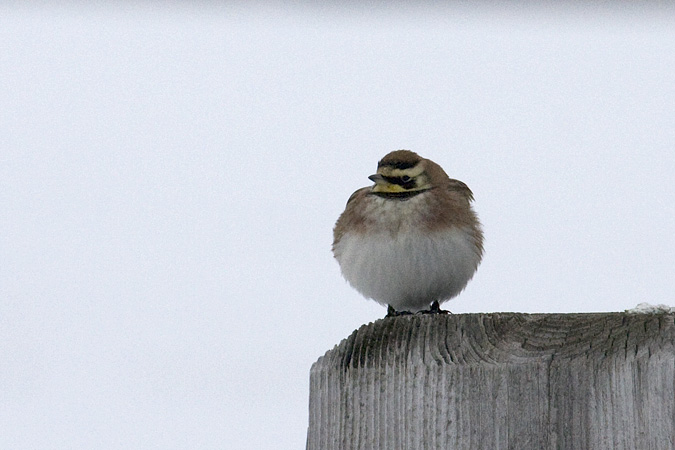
(391, 312)
(435, 309)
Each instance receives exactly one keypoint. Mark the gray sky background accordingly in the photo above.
(170, 176)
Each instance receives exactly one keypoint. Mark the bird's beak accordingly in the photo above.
(377, 178)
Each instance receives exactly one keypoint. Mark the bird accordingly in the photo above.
(412, 240)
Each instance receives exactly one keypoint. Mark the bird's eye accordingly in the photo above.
(405, 178)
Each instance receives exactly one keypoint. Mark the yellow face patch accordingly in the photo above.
(384, 186)
(400, 181)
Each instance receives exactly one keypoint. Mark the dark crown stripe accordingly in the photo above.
(401, 165)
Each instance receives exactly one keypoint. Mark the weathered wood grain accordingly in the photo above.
(498, 381)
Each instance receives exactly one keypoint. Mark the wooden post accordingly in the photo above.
(498, 381)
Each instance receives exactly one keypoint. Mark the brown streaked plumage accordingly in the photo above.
(411, 239)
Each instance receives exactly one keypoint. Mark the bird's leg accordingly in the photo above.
(435, 309)
(391, 312)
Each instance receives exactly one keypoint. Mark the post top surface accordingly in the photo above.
(498, 338)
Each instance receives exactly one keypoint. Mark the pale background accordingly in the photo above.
(170, 176)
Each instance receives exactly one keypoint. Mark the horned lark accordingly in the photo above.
(412, 240)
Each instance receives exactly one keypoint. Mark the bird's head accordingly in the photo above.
(401, 172)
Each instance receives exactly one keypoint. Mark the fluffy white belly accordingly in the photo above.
(408, 270)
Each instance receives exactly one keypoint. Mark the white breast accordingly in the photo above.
(408, 270)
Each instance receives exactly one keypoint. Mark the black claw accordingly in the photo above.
(435, 309)
(391, 312)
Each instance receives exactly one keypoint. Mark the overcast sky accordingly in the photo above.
(170, 177)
